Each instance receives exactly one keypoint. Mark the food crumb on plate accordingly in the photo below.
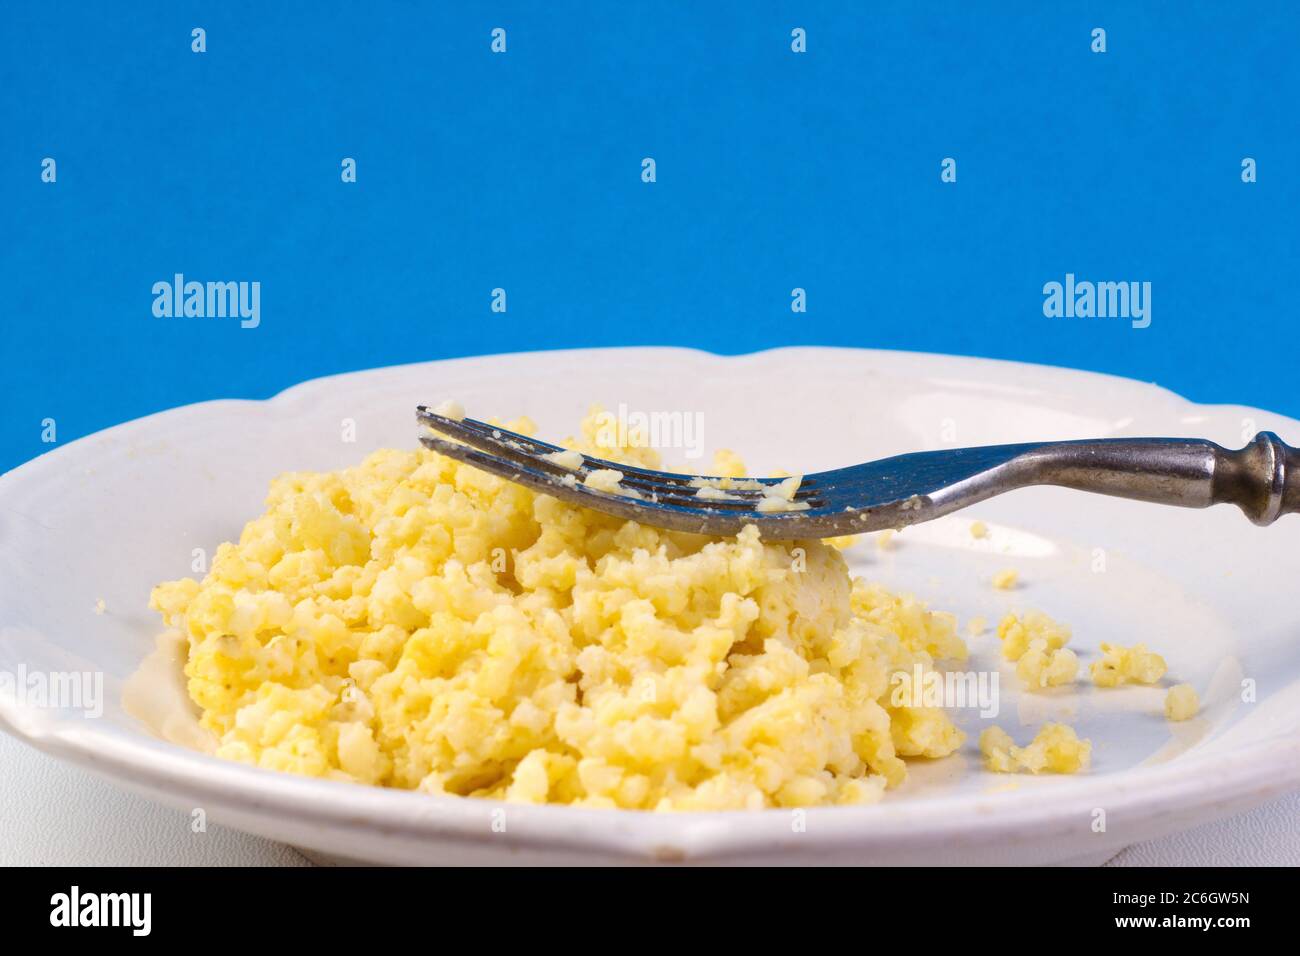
(1018, 632)
(1041, 666)
(1055, 749)
(1006, 579)
(978, 529)
(1127, 665)
(1181, 703)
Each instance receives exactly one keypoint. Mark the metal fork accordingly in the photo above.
(1263, 479)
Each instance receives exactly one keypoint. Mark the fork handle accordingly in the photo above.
(1262, 479)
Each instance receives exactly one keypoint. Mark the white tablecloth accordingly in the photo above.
(54, 814)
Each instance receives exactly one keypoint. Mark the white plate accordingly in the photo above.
(110, 515)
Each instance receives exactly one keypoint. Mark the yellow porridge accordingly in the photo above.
(414, 622)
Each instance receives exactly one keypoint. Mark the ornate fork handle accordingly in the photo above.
(1263, 479)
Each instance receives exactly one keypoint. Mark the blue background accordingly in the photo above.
(522, 170)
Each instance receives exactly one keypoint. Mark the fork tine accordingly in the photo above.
(680, 515)
(522, 448)
(529, 452)
(558, 481)
(674, 505)
(534, 478)
(501, 445)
